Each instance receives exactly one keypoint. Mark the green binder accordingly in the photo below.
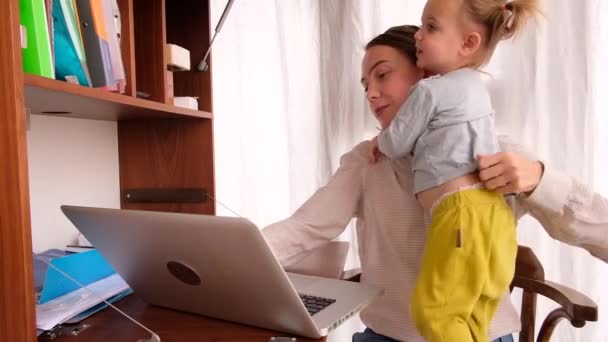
(37, 56)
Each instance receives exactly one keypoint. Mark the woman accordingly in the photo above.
(391, 224)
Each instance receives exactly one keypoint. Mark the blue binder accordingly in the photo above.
(86, 268)
(67, 61)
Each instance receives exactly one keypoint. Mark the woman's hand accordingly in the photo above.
(508, 173)
(374, 151)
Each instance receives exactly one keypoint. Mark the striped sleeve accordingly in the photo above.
(568, 210)
(323, 216)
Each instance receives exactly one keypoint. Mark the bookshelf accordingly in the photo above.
(161, 146)
(52, 97)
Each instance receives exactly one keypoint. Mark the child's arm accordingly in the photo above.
(399, 139)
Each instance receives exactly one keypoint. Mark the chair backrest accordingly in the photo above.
(527, 267)
(530, 277)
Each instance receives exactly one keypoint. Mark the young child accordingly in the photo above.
(469, 257)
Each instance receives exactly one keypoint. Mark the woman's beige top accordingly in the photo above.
(391, 230)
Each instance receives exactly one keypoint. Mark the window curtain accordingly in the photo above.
(288, 104)
(546, 87)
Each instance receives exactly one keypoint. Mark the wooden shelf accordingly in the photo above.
(57, 98)
(159, 146)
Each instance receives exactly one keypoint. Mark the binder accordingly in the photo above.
(85, 267)
(115, 53)
(96, 44)
(37, 55)
(68, 60)
(69, 10)
(71, 14)
(48, 6)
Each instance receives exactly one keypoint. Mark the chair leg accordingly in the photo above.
(528, 316)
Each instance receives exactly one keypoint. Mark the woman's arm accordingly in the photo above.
(510, 173)
(569, 211)
(324, 215)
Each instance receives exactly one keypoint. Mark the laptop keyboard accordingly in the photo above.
(315, 304)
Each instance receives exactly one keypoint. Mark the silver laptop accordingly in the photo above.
(220, 267)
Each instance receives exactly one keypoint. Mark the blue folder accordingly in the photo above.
(86, 267)
(67, 60)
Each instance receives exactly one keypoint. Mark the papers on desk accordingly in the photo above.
(60, 299)
(61, 309)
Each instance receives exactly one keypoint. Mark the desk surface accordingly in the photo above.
(170, 325)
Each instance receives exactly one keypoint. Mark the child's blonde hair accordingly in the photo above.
(501, 19)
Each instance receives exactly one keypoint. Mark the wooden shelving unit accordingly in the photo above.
(52, 97)
(161, 146)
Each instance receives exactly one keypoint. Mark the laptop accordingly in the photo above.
(220, 267)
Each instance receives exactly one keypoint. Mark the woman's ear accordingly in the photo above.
(471, 43)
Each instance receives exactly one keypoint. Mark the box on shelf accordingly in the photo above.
(178, 58)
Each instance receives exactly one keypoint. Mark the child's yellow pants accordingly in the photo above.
(467, 266)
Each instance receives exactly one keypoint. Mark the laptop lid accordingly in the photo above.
(219, 267)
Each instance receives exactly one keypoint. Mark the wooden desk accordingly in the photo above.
(170, 325)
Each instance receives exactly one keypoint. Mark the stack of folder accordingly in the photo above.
(77, 41)
(60, 299)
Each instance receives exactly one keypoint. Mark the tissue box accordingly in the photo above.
(186, 102)
(178, 58)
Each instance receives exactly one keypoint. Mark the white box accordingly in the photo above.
(178, 58)
(186, 102)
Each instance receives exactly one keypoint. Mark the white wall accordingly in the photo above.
(71, 161)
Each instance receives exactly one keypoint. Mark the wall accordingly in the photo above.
(71, 161)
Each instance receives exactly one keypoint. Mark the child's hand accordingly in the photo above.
(374, 151)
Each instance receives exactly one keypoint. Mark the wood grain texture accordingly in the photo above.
(17, 318)
(167, 153)
(528, 316)
(170, 325)
(527, 266)
(150, 40)
(47, 95)
(188, 26)
(159, 146)
(127, 44)
(530, 277)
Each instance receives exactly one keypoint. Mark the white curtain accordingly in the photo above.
(546, 91)
(288, 103)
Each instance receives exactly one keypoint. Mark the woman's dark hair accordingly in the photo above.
(400, 38)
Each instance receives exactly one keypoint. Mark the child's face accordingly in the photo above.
(441, 37)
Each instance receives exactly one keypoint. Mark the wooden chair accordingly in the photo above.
(530, 277)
